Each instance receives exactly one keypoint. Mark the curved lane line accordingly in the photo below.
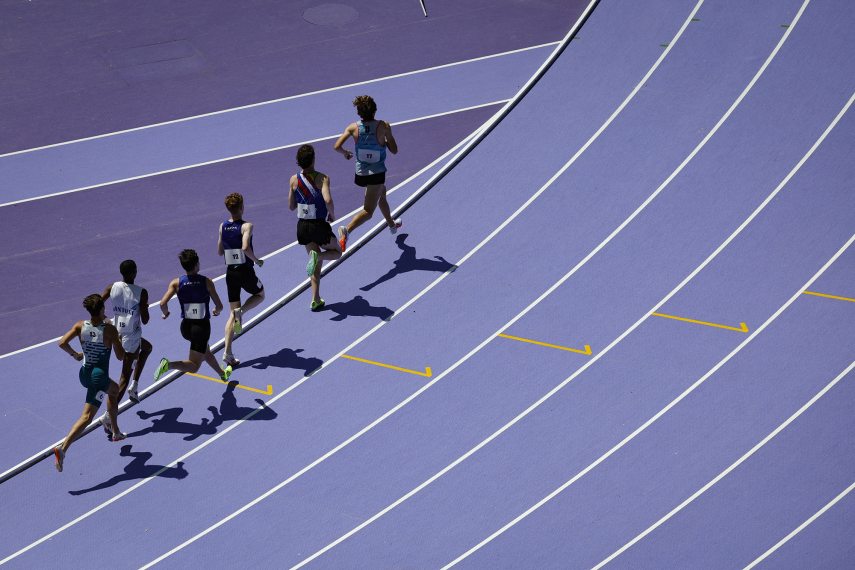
(586, 365)
(802, 526)
(237, 156)
(507, 325)
(468, 146)
(724, 473)
(664, 410)
(290, 97)
(421, 171)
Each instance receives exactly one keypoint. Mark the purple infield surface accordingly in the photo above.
(690, 159)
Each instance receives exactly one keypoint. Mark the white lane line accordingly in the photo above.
(151, 388)
(487, 340)
(238, 156)
(652, 420)
(269, 310)
(724, 473)
(421, 171)
(637, 323)
(496, 117)
(802, 526)
(290, 97)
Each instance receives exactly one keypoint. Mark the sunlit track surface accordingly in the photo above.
(574, 353)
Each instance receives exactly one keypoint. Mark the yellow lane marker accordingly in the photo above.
(268, 392)
(427, 373)
(546, 344)
(741, 328)
(827, 296)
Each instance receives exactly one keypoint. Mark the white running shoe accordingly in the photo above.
(398, 224)
(133, 393)
(230, 360)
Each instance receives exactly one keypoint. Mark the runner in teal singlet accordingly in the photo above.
(371, 139)
(97, 337)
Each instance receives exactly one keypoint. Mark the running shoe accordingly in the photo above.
(313, 263)
(133, 393)
(118, 437)
(59, 457)
(161, 368)
(105, 423)
(238, 324)
(230, 360)
(394, 229)
(342, 237)
(227, 372)
(317, 305)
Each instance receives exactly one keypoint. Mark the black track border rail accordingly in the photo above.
(375, 231)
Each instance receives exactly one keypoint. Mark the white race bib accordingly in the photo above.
(368, 155)
(234, 256)
(306, 211)
(123, 323)
(194, 311)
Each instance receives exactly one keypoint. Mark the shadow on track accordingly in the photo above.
(358, 307)
(409, 262)
(285, 358)
(138, 468)
(166, 421)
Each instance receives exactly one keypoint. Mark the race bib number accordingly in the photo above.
(368, 156)
(123, 323)
(194, 311)
(306, 211)
(234, 256)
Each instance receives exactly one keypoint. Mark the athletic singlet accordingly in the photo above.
(233, 243)
(95, 353)
(125, 298)
(194, 297)
(370, 154)
(310, 200)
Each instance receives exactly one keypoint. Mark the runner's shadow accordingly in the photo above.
(285, 358)
(409, 262)
(229, 410)
(166, 421)
(358, 307)
(138, 469)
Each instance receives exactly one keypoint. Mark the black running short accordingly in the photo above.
(242, 277)
(198, 332)
(314, 231)
(370, 179)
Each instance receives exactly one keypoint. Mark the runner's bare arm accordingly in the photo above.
(215, 297)
(292, 199)
(387, 137)
(171, 290)
(349, 132)
(111, 340)
(325, 190)
(74, 332)
(106, 294)
(144, 316)
(246, 245)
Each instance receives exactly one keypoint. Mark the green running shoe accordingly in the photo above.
(317, 305)
(313, 263)
(227, 372)
(161, 368)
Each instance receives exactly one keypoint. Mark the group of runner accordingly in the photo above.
(309, 194)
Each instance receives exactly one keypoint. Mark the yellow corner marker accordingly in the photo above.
(427, 373)
(268, 392)
(741, 328)
(587, 350)
(827, 296)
